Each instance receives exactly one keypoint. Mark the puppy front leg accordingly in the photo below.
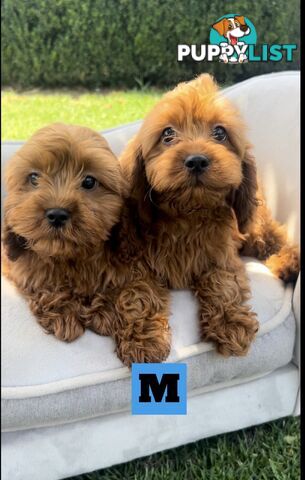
(224, 317)
(59, 314)
(142, 333)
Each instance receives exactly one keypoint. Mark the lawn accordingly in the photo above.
(268, 452)
(24, 113)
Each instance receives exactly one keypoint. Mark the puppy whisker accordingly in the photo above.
(149, 194)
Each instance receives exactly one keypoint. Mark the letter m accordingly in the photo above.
(149, 381)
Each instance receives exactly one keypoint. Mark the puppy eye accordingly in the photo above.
(237, 24)
(33, 179)
(168, 135)
(220, 134)
(89, 183)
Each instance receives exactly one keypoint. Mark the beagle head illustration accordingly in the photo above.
(233, 29)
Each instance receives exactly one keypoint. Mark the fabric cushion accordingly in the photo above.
(48, 382)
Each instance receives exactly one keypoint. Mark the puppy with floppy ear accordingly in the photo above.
(64, 195)
(183, 166)
(61, 232)
(193, 194)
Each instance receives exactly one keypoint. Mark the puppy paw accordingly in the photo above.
(68, 329)
(58, 315)
(239, 333)
(146, 345)
(65, 327)
(285, 264)
(235, 334)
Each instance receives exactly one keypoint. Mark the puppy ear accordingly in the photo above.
(138, 189)
(244, 199)
(220, 26)
(14, 245)
(141, 190)
(240, 19)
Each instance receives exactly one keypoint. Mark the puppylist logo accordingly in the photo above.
(233, 40)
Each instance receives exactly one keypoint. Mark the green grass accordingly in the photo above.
(24, 113)
(267, 452)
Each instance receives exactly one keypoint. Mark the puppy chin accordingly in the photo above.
(46, 248)
(188, 192)
(187, 199)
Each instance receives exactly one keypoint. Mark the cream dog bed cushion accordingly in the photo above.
(47, 382)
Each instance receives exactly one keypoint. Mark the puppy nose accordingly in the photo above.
(57, 217)
(196, 163)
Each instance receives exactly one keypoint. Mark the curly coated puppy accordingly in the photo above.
(64, 199)
(193, 203)
(64, 195)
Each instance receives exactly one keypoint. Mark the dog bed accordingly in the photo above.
(47, 382)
